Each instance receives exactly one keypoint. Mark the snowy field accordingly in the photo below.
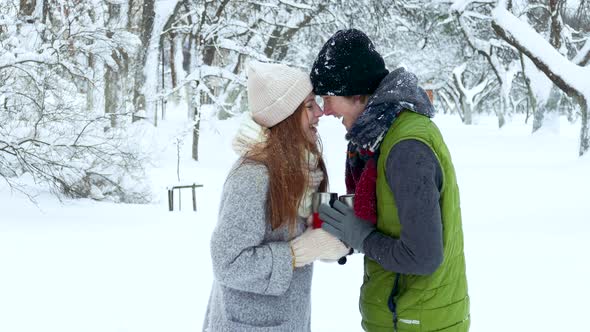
(83, 265)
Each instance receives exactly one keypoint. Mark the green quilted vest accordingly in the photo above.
(436, 302)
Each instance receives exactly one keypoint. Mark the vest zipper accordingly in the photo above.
(391, 302)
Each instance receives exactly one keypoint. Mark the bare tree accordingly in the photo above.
(470, 98)
(497, 54)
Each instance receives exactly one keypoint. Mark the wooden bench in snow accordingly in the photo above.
(171, 196)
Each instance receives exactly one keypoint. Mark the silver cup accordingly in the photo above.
(348, 200)
(319, 198)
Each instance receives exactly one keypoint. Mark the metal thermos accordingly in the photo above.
(348, 200)
(317, 199)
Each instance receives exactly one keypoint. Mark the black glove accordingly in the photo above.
(341, 222)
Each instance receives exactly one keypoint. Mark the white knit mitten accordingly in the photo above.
(316, 244)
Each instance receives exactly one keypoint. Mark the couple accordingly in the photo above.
(406, 218)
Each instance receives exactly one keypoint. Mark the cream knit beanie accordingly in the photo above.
(275, 91)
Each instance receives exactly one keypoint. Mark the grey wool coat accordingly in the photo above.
(255, 287)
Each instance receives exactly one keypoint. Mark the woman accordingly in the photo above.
(262, 249)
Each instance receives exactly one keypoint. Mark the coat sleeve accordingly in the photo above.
(415, 178)
(241, 258)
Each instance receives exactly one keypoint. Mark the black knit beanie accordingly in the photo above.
(347, 65)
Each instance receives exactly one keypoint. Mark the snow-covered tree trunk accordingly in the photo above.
(175, 59)
(504, 106)
(468, 96)
(196, 135)
(464, 102)
(177, 74)
(27, 8)
(547, 112)
(154, 18)
(203, 54)
(116, 75)
(146, 30)
(585, 130)
(95, 94)
(532, 101)
(89, 88)
(113, 94)
(195, 100)
(467, 111)
(450, 99)
(98, 93)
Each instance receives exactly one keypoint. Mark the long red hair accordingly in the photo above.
(284, 155)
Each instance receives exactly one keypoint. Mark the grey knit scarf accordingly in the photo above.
(398, 91)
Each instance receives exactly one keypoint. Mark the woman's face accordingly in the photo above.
(310, 118)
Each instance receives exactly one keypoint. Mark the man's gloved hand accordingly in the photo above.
(341, 222)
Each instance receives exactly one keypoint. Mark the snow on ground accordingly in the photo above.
(83, 265)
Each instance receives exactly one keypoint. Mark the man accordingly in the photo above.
(407, 216)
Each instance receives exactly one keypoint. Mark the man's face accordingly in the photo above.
(347, 108)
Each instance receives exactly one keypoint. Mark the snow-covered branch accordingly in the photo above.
(461, 5)
(296, 5)
(569, 77)
(9, 59)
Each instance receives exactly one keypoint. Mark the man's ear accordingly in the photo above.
(360, 98)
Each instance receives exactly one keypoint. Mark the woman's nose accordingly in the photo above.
(317, 111)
